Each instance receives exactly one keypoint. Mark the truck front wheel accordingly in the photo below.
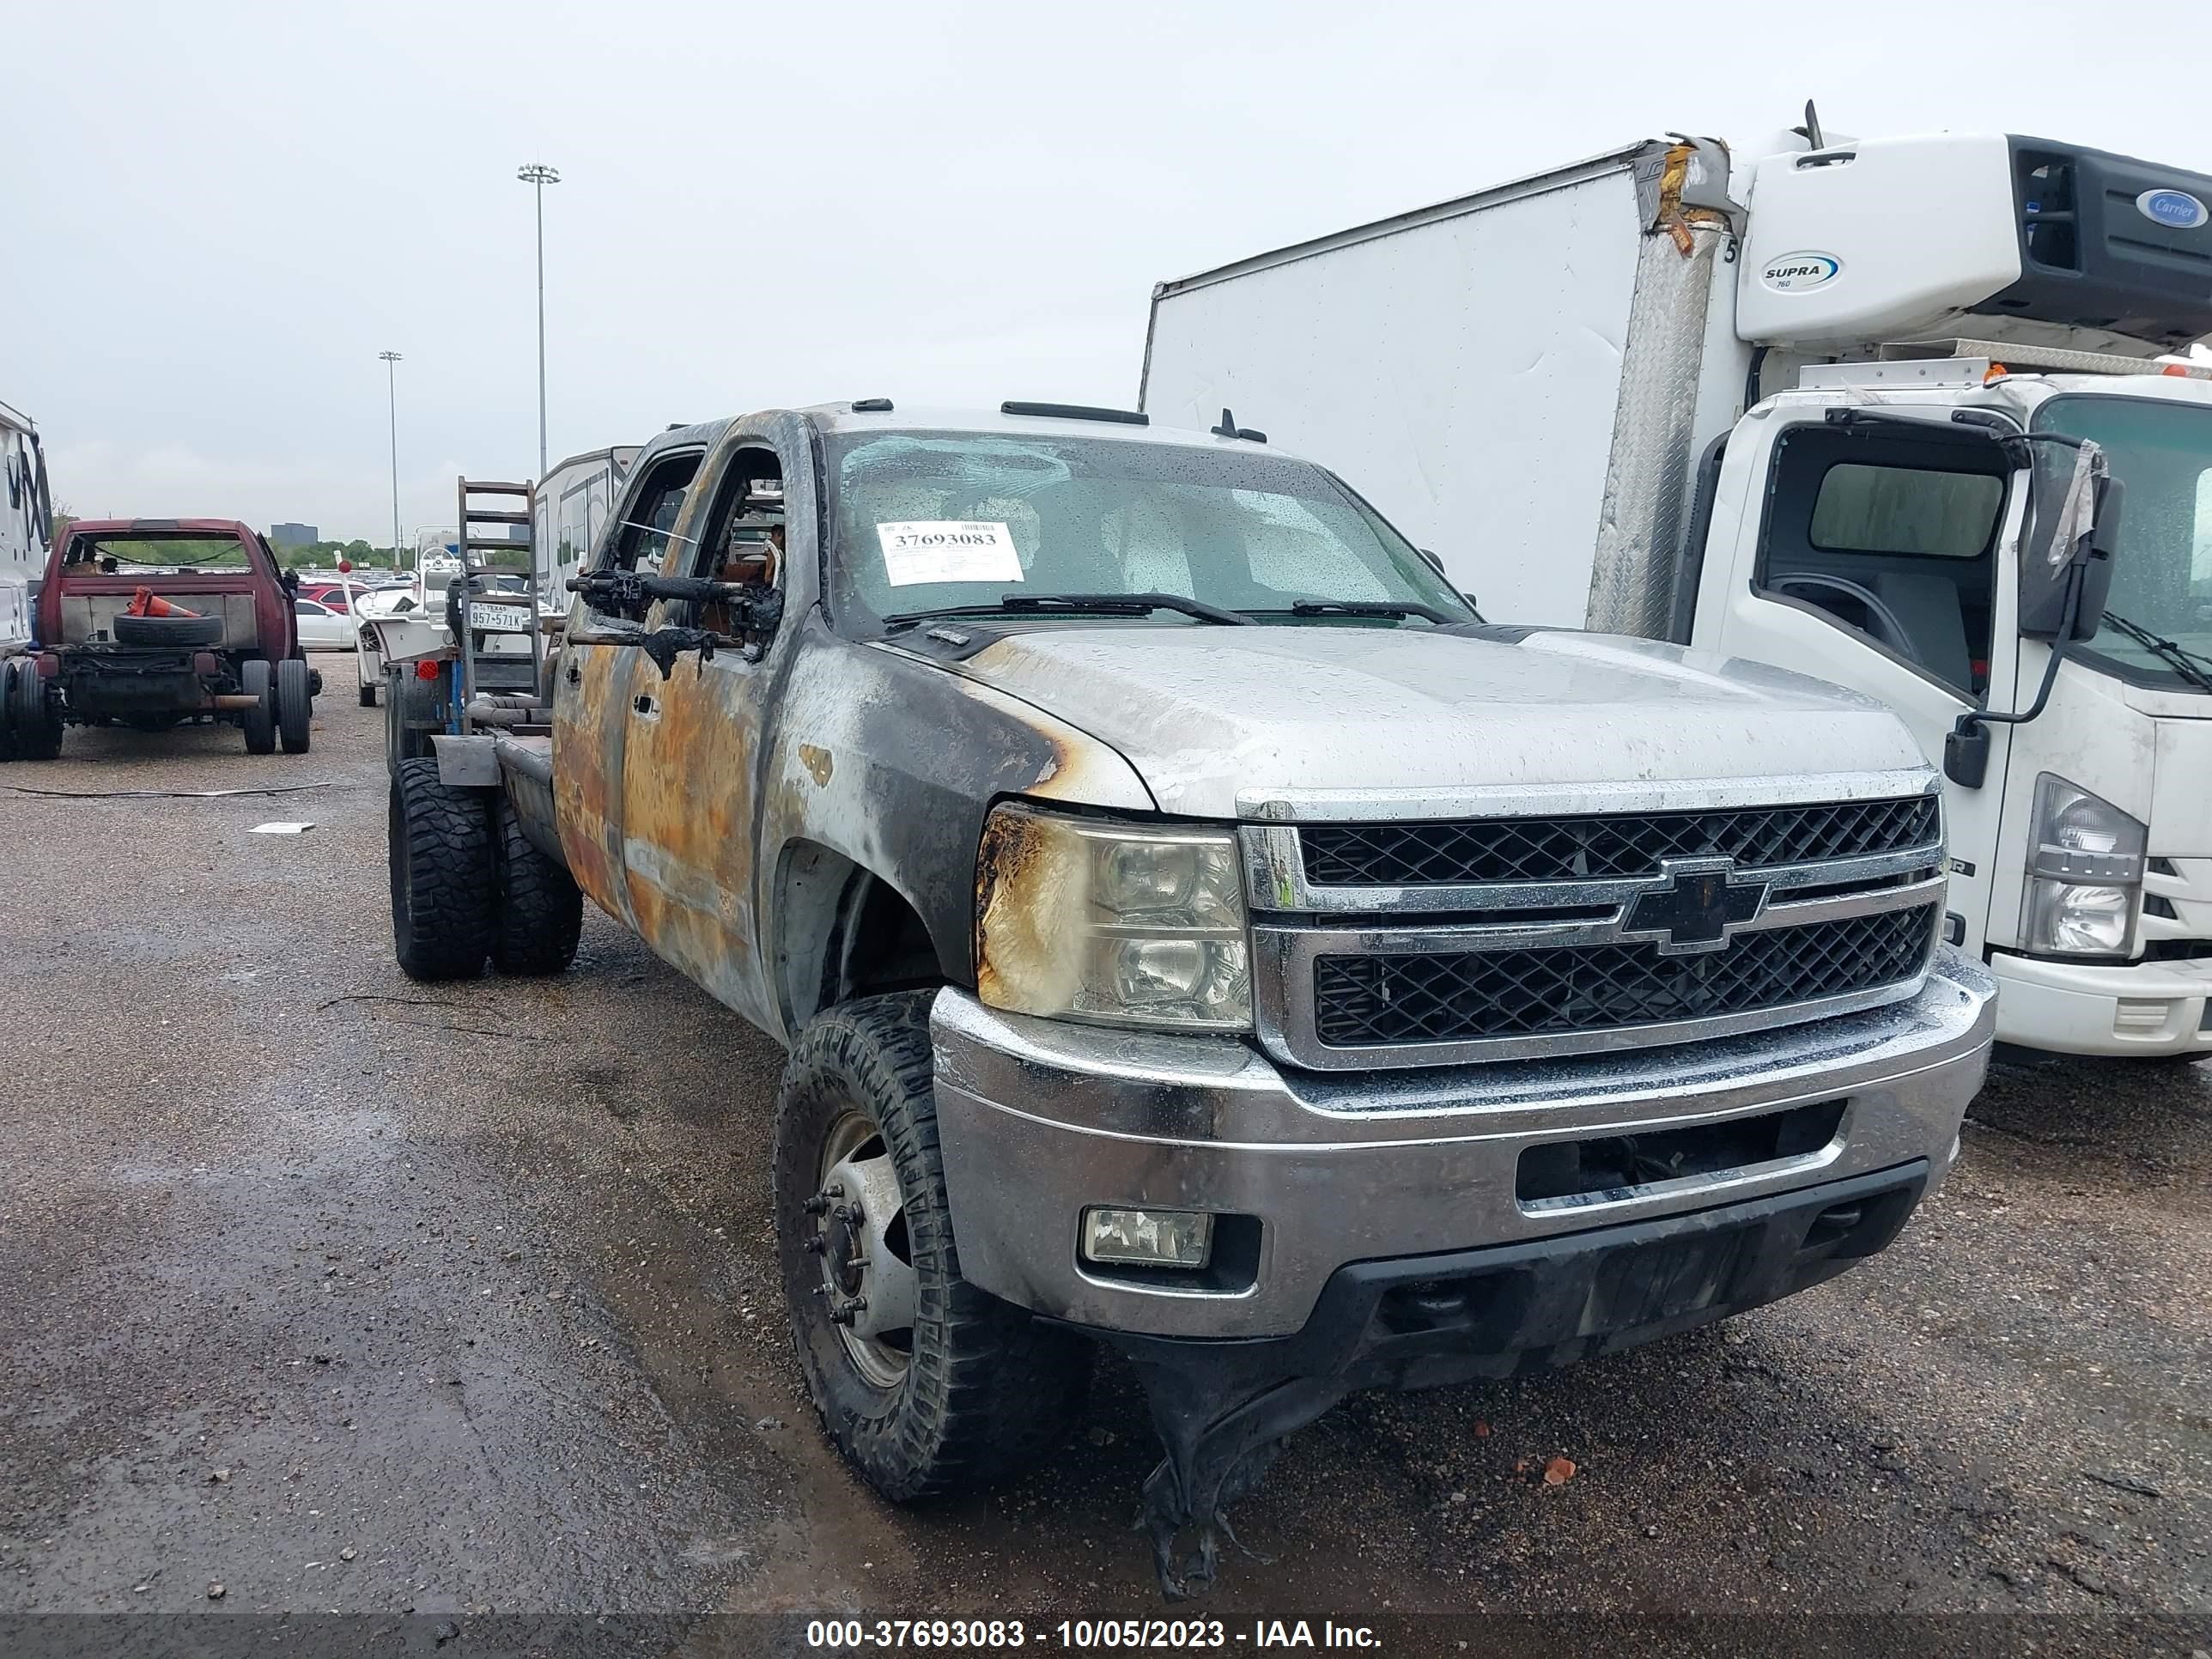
(926, 1383)
(441, 874)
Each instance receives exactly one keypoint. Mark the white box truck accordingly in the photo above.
(26, 523)
(1790, 408)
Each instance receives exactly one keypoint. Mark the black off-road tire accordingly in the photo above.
(988, 1390)
(257, 680)
(540, 913)
(406, 700)
(441, 874)
(33, 728)
(193, 633)
(296, 706)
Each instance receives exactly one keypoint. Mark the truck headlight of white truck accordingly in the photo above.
(2084, 875)
(1116, 923)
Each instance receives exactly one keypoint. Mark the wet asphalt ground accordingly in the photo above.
(338, 1293)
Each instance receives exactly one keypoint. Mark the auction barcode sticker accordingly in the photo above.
(946, 550)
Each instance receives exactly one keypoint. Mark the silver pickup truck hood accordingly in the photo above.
(1218, 720)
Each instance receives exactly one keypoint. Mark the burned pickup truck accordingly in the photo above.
(1192, 929)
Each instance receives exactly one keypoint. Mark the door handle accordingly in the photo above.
(644, 704)
(575, 675)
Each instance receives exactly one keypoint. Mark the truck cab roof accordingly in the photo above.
(839, 418)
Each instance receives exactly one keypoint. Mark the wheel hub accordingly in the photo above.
(860, 1235)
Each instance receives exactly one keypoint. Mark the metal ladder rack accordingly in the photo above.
(472, 544)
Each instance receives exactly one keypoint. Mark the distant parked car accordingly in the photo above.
(330, 595)
(323, 627)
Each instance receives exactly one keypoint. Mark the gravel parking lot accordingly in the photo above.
(321, 1289)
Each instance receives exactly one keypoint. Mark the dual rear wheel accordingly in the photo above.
(284, 706)
(30, 715)
(467, 886)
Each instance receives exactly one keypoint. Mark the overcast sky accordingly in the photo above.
(218, 215)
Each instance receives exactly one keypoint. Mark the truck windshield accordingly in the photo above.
(2162, 579)
(926, 521)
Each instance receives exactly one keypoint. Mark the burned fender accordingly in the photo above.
(894, 762)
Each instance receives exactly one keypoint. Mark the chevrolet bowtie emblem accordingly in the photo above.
(1699, 904)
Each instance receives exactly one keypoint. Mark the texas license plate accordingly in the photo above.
(499, 618)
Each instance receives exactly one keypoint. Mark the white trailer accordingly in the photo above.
(27, 522)
(570, 511)
(1794, 411)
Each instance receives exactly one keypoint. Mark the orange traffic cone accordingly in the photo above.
(146, 603)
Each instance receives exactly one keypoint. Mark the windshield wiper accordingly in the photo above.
(1399, 609)
(2184, 661)
(1077, 604)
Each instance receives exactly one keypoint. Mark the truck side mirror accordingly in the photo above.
(1435, 559)
(2100, 559)
(2065, 577)
(2070, 495)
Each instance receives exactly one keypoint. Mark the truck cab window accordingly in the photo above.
(745, 532)
(642, 540)
(2162, 579)
(1891, 537)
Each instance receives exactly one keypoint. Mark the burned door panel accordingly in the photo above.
(592, 688)
(690, 767)
(687, 820)
(590, 725)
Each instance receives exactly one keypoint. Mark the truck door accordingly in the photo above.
(1875, 556)
(691, 763)
(591, 687)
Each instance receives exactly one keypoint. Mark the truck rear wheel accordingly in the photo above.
(296, 706)
(408, 704)
(32, 727)
(441, 874)
(925, 1382)
(540, 911)
(258, 682)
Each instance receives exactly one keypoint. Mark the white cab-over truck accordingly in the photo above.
(26, 518)
(1787, 407)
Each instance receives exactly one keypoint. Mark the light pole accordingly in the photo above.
(538, 175)
(392, 391)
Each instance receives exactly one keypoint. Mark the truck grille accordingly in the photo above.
(1582, 848)
(1364, 1001)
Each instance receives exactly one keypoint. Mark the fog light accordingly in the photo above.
(1148, 1238)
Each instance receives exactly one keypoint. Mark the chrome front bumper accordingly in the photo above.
(1041, 1119)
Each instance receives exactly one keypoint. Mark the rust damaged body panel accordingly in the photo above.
(591, 706)
(588, 739)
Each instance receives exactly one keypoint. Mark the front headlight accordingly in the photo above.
(1124, 924)
(2085, 870)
